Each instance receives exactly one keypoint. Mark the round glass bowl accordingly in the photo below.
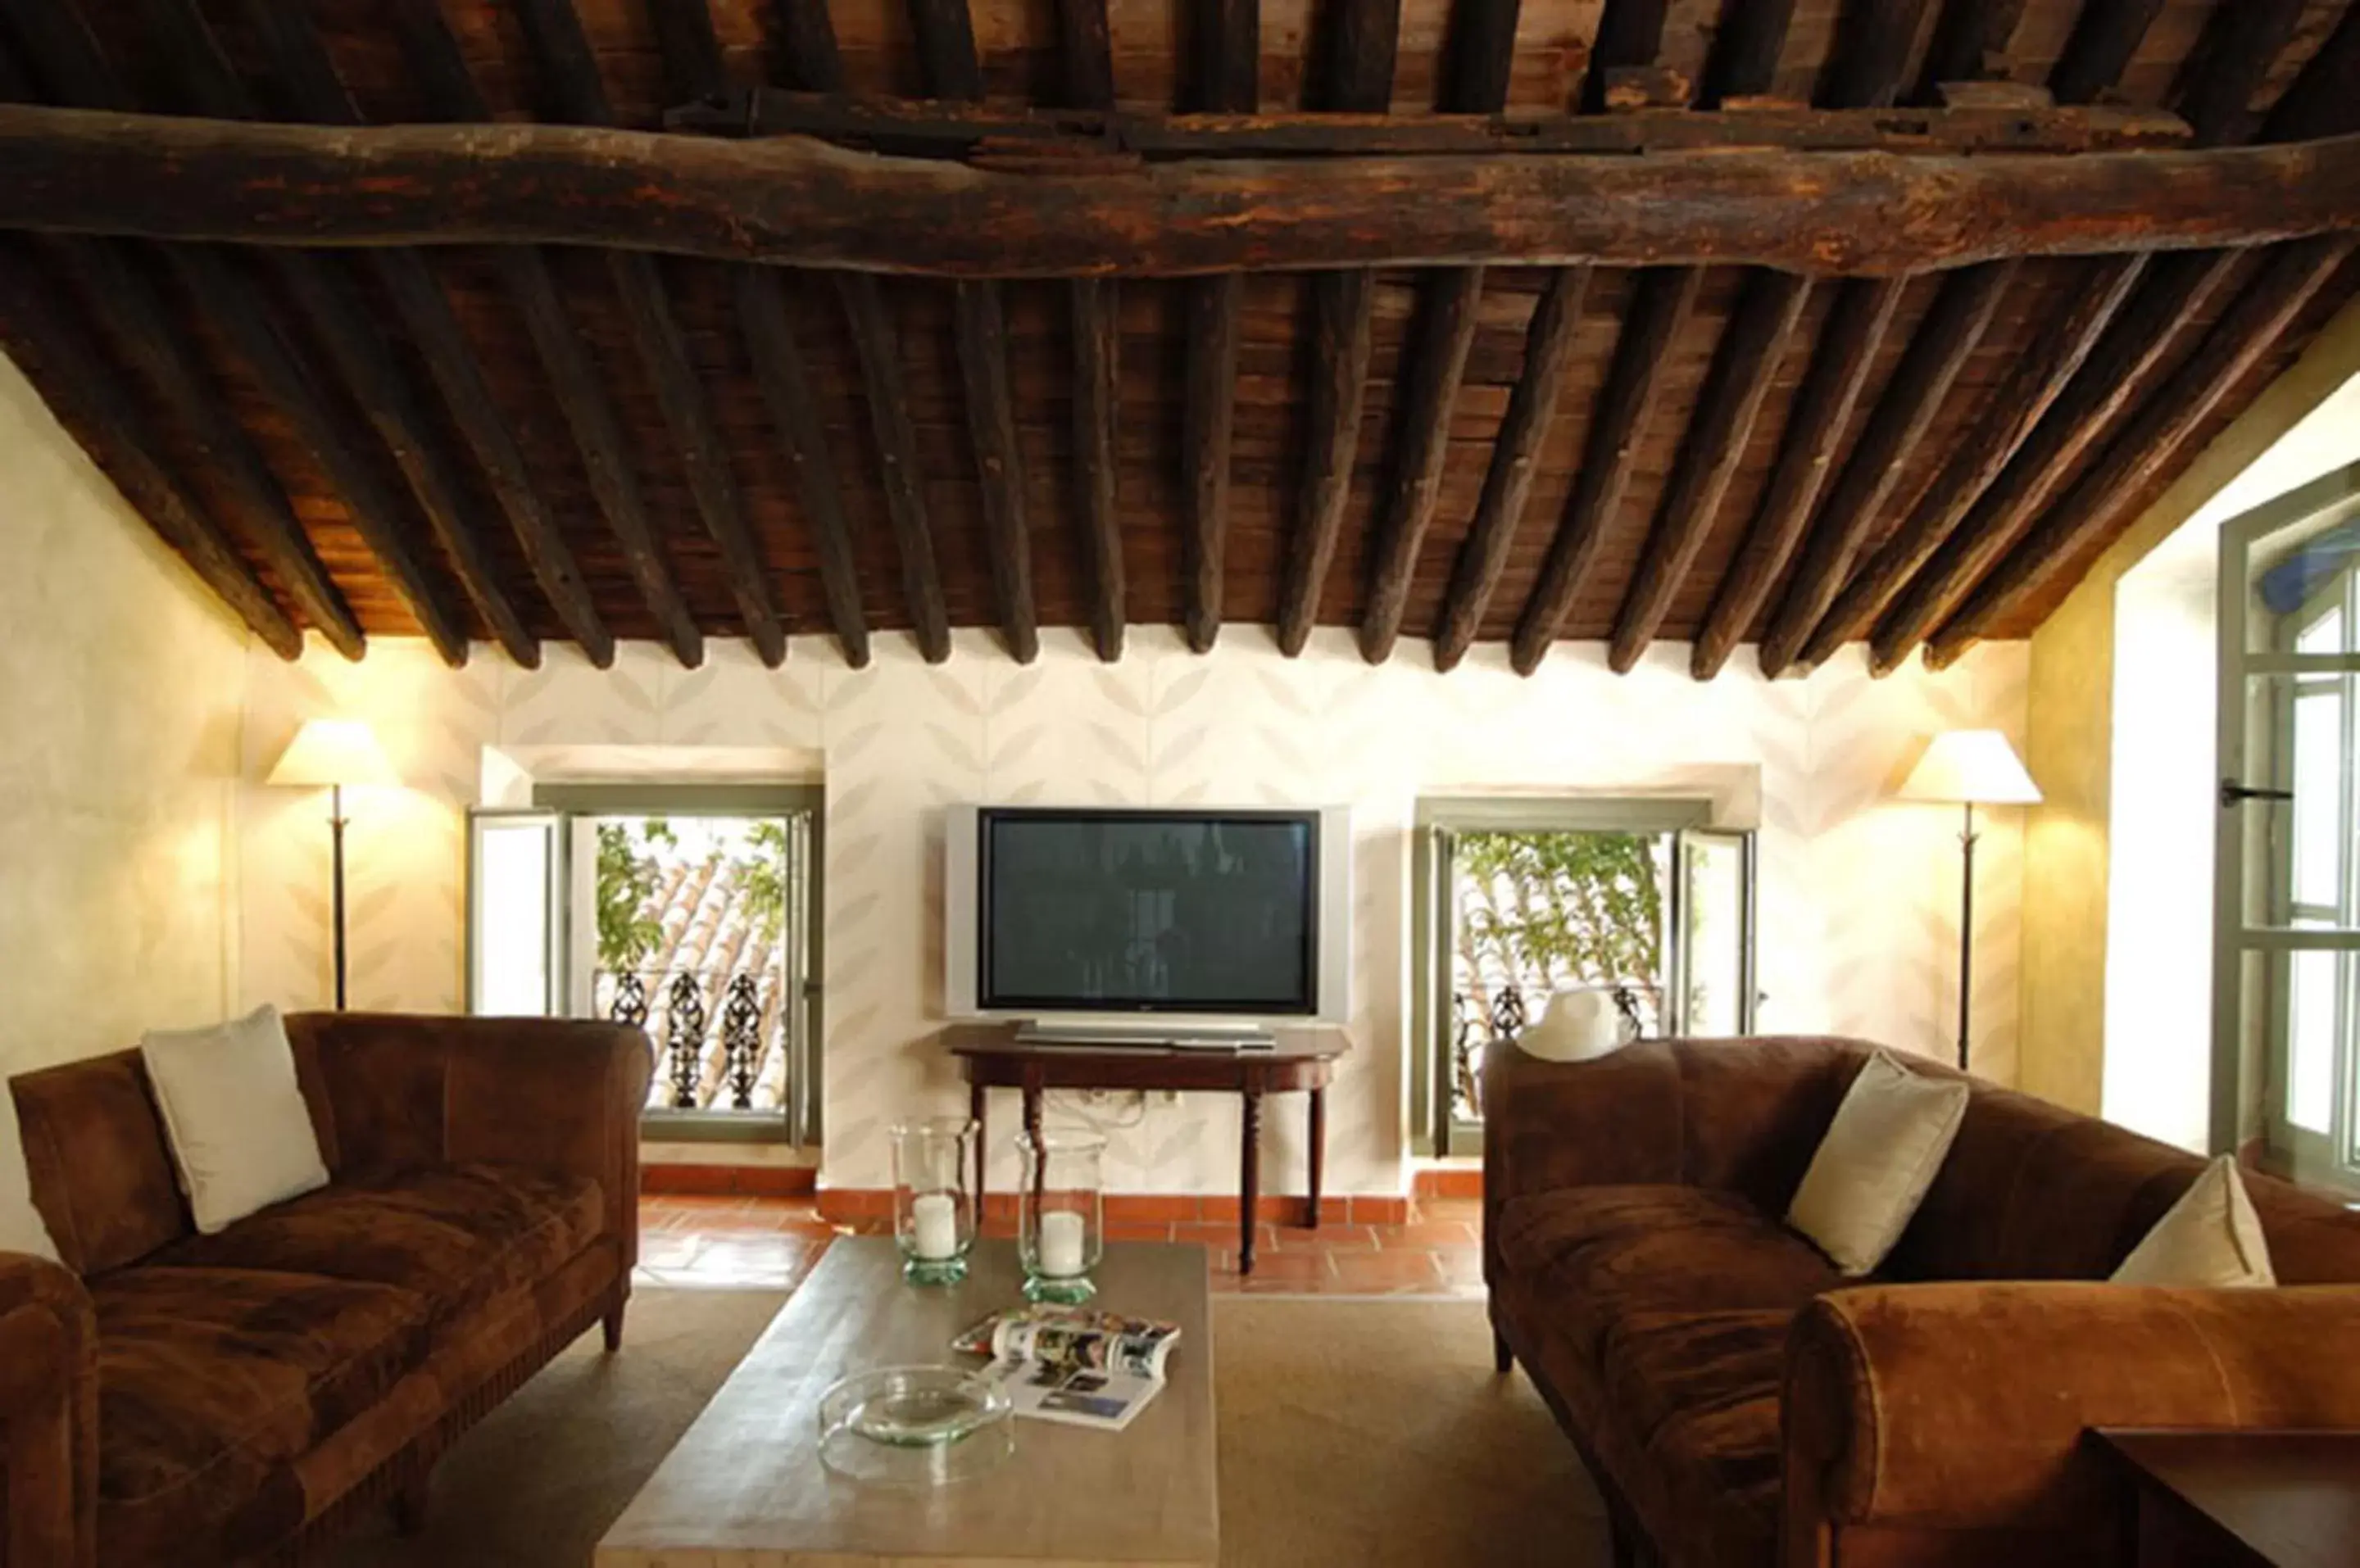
(915, 1426)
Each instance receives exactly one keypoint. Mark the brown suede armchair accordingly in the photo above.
(168, 1398)
(1742, 1404)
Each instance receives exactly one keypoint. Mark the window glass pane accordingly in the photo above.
(1716, 935)
(2319, 763)
(512, 905)
(2312, 1025)
(2324, 636)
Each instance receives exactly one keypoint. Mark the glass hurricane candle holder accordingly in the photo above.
(933, 1197)
(1060, 1215)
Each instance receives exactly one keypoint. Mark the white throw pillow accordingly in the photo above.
(22, 1228)
(1578, 1026)
(1879, 1156)
(239, 1131)
(2211, 1240)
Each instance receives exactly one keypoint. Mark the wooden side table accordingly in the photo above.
(2242, 1500)
(990, 1058)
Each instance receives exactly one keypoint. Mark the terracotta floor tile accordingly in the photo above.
(1139, 1230)
(1330, 1237)
(1467, 1209)
(1297, 1268)
(1387, 1270)
(1430, 1233)
(1222, 1233)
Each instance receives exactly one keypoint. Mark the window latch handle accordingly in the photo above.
(2235, 794)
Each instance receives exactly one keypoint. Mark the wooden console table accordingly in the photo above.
(990, 1058)
(2242, 1500)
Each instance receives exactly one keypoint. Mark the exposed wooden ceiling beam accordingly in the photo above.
(1953, 326)
(1095, 305)
(569, 76)
(1744, 58)
(878, 344)
(1362, 39)
(100, 405)
(2104, 40)
(2014, 409)
(68, 58)
(1858, 319)
(304, 70)
(431, 50)
(1660, 306)
(324, 297)
(1230, 44)
(2128, 474)
(1970, 40)
(1629, 34)
(952, 69)
(2230, 63)
(1872, 52)
(1483, 46)
(1515, 462)
(797, 203)
(1743, 367)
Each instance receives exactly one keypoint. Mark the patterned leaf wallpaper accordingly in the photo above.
(1859, 898)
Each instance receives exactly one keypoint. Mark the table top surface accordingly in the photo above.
(745, 1488)
(1306, 1044)
(2294, 1498)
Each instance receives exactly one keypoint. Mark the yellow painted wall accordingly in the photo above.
(121, 684)
(2069, 736)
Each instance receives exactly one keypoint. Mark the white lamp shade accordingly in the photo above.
(333, 751)
(1976, 766)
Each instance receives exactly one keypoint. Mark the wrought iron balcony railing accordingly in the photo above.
(720, 1035)
(1482, 1018)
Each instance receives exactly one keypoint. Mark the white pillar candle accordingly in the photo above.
(1061, 1244)
(934, 1227)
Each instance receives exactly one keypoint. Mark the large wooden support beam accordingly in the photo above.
(68, 59)
(569, 75)
(439, 69)
(2122, 368)
(304, 70)
(1516, 461)
(1744, 368)
(2014, 409)
(94, 397)
(1660, 307)
(1954, 325)
(1858, 319)
(952, 69)
(878, 344)
(2129, 472)
(325, 297)
(1231, 50)
(796, 203)
(1097, 343)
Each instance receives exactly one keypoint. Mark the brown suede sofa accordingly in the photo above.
(1742, 1404)
(168, 1398)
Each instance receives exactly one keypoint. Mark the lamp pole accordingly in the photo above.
(1966, 930)
(336, 834)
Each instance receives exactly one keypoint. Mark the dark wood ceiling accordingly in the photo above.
(528, 443)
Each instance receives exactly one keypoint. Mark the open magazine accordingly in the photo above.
(1073, 1364)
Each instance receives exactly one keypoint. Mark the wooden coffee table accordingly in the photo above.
(745, 1488)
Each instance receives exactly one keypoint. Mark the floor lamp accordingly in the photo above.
(1970, 769)
(334, 752)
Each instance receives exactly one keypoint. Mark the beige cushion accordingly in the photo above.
(21, 1227)
(1578, 1026)
(2211, 1240)
(1879, 1156)
(240, 1134)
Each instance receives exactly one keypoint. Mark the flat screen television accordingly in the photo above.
(1215, 914)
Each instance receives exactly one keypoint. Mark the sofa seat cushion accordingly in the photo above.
(1589, 1258)
(211, 1379)
(456, 1235)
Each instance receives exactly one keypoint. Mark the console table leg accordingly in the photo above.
(1318, 1149)
(1249, 1180)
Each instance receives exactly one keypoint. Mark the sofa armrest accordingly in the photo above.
(49, 1414)
(1963, 1406)
(562, 1095)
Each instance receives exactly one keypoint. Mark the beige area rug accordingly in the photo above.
(1352, 1433)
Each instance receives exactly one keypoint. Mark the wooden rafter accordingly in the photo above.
(1970, 38)
(1953, 327)
(569, 72)
(310, 76)
(794, 203)
(2126, 475)
(2104, 38)
(1481, 49)
(1868, 70)
(1659, 308)
(1094, 307)
(2229, 64)
(878, 343)
(434, 54)
(95, 398)
(1363, 38)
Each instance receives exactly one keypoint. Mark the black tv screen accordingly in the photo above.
(1149, 911)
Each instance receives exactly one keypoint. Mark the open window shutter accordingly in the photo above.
(516, 913)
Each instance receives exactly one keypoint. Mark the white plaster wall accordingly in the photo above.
(120, 679)
(1859, 898)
